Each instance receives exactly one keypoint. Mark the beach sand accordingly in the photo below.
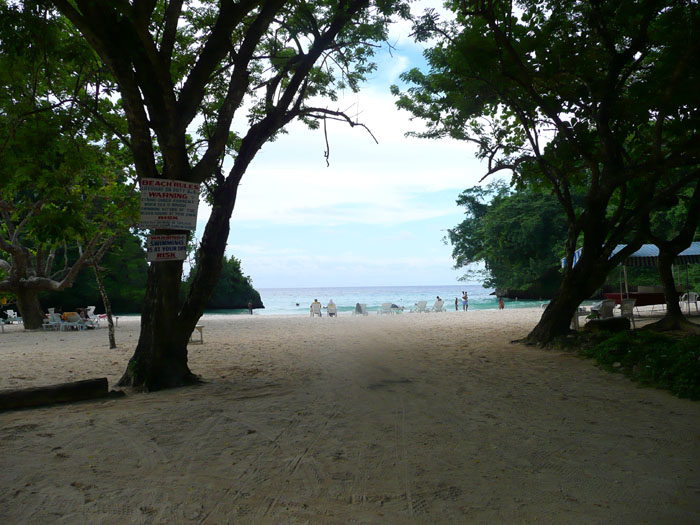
(412, 418)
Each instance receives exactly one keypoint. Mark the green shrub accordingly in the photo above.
(654, 359)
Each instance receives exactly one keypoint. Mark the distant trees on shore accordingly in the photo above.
(124, 271)
(517, 235)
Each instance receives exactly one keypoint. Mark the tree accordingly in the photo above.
(184, 65)
(63, 174)
(123, 269)
(518, 235)
(672, 232)
(571, 94)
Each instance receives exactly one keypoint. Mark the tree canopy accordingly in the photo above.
(565, 95)
(123, 270)
(205, 81)
(518, 235)
(64, 177)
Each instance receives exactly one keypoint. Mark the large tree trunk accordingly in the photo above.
(578, 285)
(674, 318)
(29, 308)
(556, 318)
(160, 358)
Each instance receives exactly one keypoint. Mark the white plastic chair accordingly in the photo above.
(12, 317)
(315, 309)
(72, 320)
(332, 310)
(627, 310)
(363, 310)
(386, 309)
(688, 299)
(53, 322)
(420, 307)
(437, 307)
(604, 309)
(92, 319)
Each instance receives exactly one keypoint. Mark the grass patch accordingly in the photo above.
(671, 362)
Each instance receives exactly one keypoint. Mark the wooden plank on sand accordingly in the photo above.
(61, 393)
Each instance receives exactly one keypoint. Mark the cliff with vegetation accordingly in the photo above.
(233, 291)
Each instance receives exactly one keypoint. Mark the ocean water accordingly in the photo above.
(296, 301)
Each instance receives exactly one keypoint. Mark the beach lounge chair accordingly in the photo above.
(12, 317)
(385, 309)
(315, 309)
(72, 320)
(688, 299)
(92, 319)
(363, 310)
(419, 307)
(332, 310)
(437, 307)
(627, 310)
(52, 322)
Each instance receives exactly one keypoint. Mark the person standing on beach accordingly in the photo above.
(465, 301)
(501, 305)
(456, 305)
(250, 306)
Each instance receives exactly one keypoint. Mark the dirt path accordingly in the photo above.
(435, 420)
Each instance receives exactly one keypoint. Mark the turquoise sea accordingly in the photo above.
(296, 301)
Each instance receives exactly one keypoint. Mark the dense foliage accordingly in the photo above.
(571, 95)
(202, 82)
(653, 359)
(123, 269)
(518, 235)
(64, 175)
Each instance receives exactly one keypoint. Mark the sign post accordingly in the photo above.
(168, 205)
(166, 247)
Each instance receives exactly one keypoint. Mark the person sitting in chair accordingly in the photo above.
(315, 308)
(332, 309)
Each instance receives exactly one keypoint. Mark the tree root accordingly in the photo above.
(671, 323)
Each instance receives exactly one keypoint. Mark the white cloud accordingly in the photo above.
(299, 223)
(385, 183)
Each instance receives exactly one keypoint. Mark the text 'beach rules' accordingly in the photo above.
(168, 205)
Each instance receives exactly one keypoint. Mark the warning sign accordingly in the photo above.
(169, 204)
(166, 247)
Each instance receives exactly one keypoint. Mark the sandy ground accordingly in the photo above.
(414, 418)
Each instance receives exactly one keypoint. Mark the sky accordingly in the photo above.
(376, 216)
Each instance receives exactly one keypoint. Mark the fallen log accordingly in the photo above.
(61, 393)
